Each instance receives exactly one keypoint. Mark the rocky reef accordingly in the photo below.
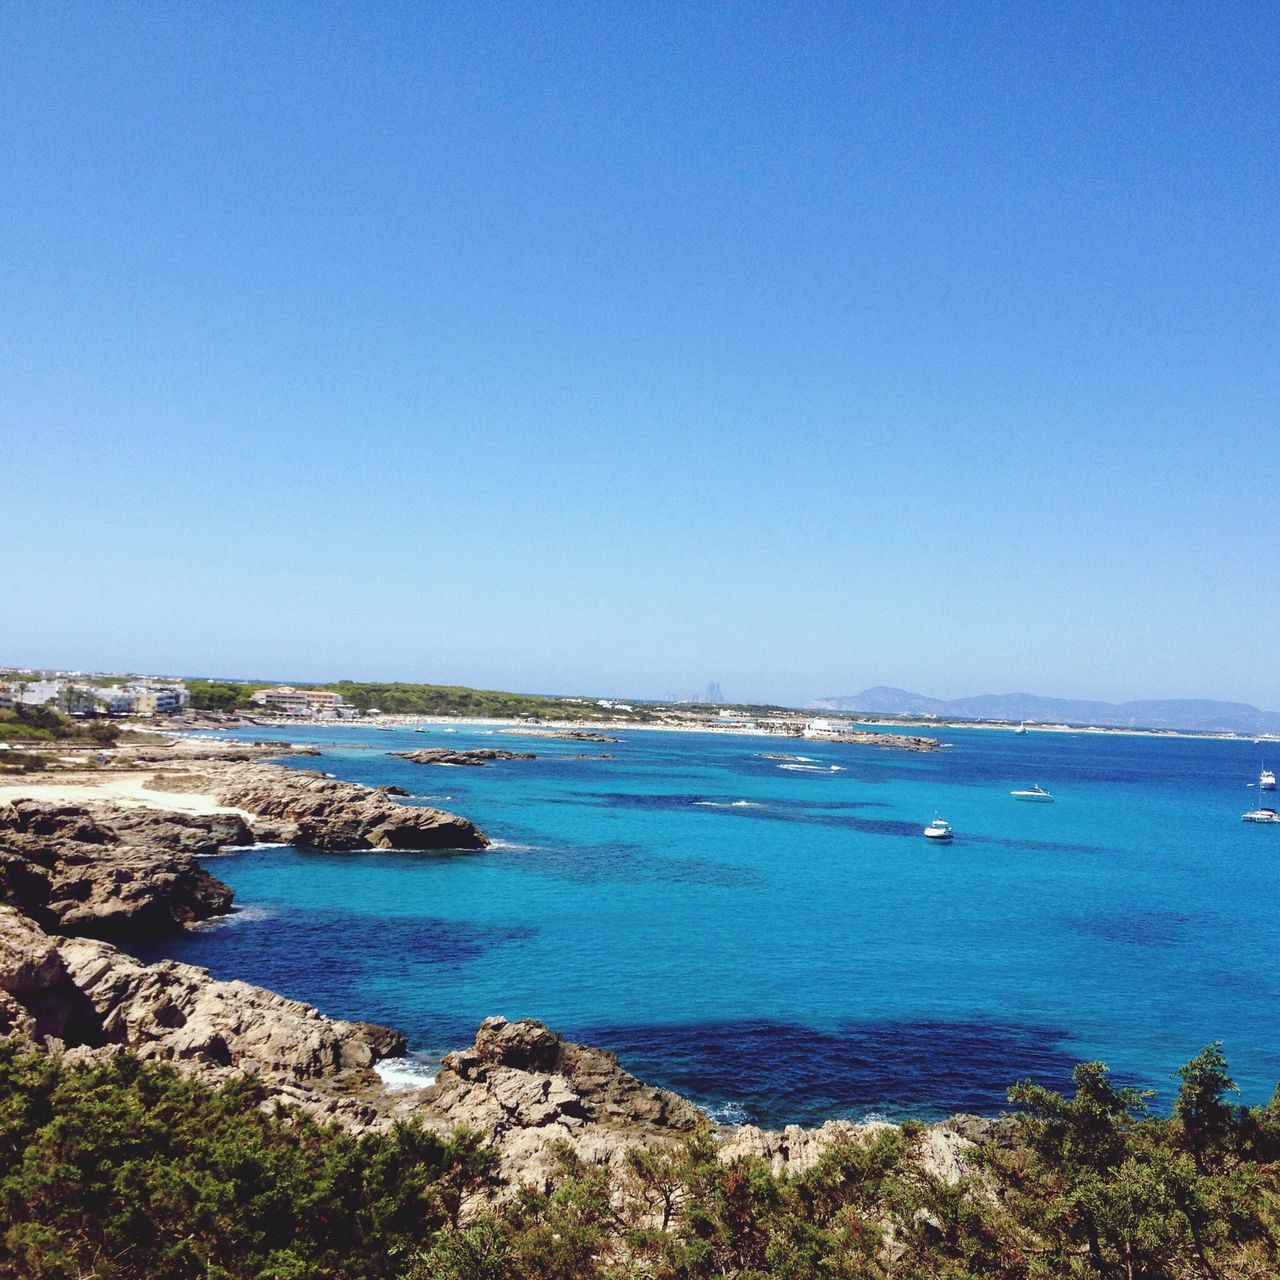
(474, 759)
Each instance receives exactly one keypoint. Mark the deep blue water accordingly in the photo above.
(805, 954)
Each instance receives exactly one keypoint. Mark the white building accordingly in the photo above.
(114, 699)
(300, 702)
(825, 728)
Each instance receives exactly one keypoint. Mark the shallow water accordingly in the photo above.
(782, 945)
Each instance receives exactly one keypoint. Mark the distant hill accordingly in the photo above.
(1197, 714)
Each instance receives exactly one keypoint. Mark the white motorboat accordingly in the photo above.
(1261, 815)
(1266, 780)
(938, 829)
(1037, 794)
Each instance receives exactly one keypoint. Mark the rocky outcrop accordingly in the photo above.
(475, 759)
(38, 1000)
(86, 997)
(308, 808)
(886, 741)
(112, 871)
(161, 749)
(525, 1088)
(177, 1012)
(567, 735)
(942, 1150)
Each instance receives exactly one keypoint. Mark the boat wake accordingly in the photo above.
(813, 768)
(729, 804)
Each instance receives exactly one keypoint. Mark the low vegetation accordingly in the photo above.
(121, 1168)
(457, 700)
(221, 695)
(44, 724)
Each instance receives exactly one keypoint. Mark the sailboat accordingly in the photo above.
(1022, 728)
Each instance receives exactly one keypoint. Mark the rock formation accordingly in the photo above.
(526, 1088)
(477, 758)
(87, 997)
(567, 735)
(944, 1150)
(112, 871)
(311, 809)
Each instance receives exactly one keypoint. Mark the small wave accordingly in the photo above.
(511, 846)
(729, 804)
(239, 915)
(406, 1073)
(727, 1113)
(247, 848)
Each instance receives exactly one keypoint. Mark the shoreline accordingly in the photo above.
(897, 728)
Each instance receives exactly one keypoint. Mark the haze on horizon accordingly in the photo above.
(803, 349)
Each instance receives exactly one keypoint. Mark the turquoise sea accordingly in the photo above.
(781, 944)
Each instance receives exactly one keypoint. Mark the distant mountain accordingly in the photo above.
(1197, 714)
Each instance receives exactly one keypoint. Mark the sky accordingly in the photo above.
(619, 348)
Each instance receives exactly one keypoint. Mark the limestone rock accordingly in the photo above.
(111, 871)
(940, 1150)
(311, 809)
(37, 996)
(475, 759)
(524, 1087)
(177, 1012)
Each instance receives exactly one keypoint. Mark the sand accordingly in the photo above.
(127, 789)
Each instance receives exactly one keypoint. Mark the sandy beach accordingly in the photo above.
(120, 788)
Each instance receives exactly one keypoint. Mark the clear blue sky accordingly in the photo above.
(620, 347)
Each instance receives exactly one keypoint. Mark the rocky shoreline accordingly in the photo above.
(77, 878)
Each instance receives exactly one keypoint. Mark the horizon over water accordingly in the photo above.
(780, 944)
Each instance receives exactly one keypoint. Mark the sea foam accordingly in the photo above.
(400, 1074)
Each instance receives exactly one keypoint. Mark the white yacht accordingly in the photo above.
(938, 829)
(1266, 780)
(1261, 815)
(1037, 794)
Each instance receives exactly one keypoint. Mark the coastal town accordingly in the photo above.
(174, 704)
